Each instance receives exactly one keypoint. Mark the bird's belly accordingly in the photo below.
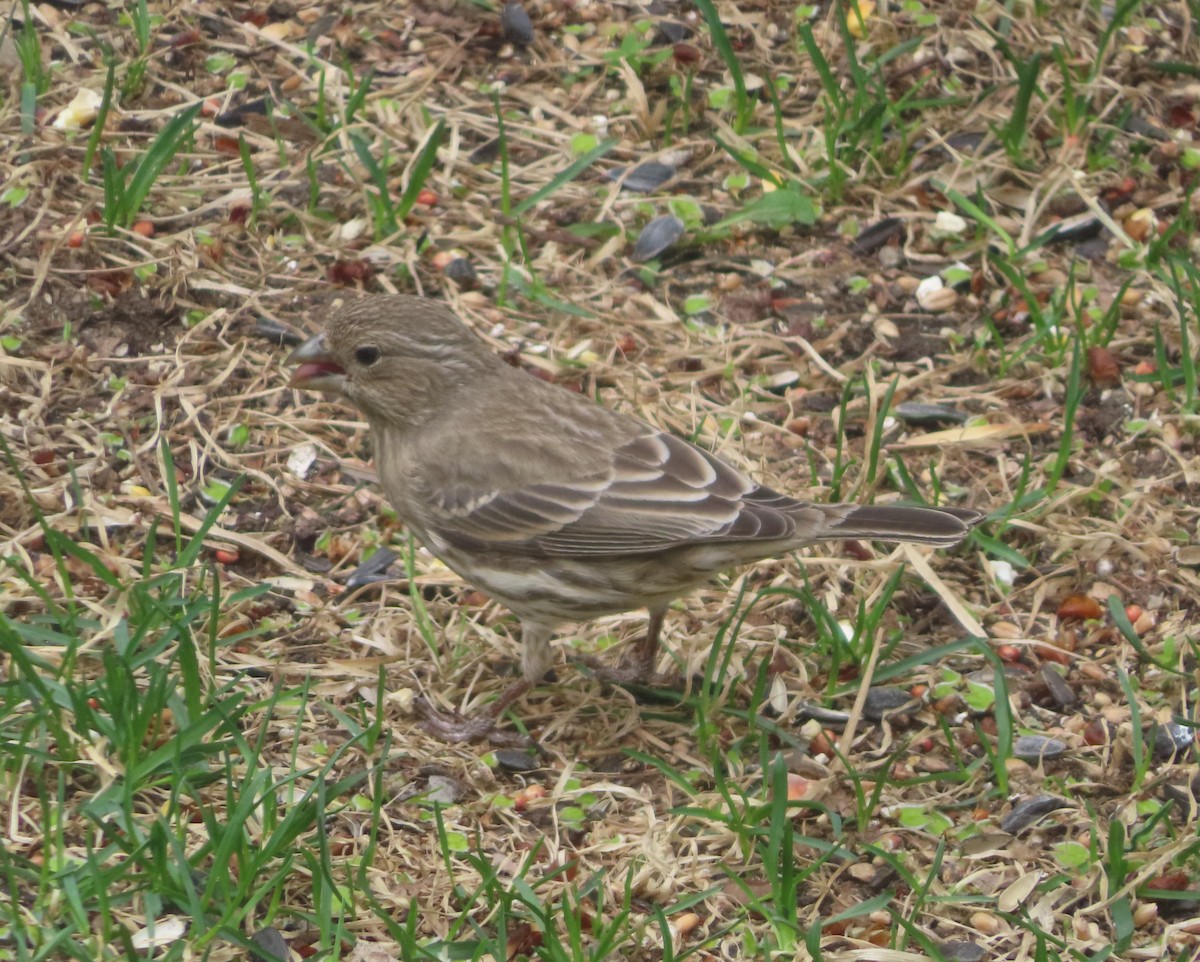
(567, 589)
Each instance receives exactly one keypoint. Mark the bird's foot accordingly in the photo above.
(632, 671)
(456, 728)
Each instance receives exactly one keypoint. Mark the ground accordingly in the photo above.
(939, 252)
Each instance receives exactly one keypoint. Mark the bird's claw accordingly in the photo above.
(629, 672)
(455, 728)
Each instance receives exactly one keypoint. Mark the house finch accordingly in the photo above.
(559, 508)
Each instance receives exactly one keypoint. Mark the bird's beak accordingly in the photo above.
(317, 370)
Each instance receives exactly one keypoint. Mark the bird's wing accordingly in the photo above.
(657, 492)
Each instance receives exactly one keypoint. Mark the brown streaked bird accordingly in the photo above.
(559, 508)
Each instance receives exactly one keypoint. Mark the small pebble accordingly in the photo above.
(1173, 739)
(1144, 914)
(1059, 690)
(963, 952)
(881, 701)
(1034, 748)
(948, 222)
(462, 272)
(915, 412)
(271, 942)
(645, 177)
(373, 570)
(1030, 810)
(515, 25)
(939, 300)
(443, 790)
(1004, 573)
(985, 923)
(515, 760)
(657, 236)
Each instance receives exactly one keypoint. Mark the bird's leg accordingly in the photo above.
(453, 727)
(645, 651)
(638, 668)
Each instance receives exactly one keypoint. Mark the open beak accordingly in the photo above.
(317, 370)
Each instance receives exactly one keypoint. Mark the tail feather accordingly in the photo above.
(897, 522)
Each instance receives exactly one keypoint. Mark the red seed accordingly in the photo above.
(1103, 366)
(1174, 881)
(822, 744)
(226, 556)
(526, 795)
(186, 39)
(346, 273)
(144, 228)
(1080, 606)
(110, 283)
(1181, 116)
(1140, 224)
(1096, 732)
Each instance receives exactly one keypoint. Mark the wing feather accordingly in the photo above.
(658, 492)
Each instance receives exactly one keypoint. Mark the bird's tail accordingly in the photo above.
(898, 522)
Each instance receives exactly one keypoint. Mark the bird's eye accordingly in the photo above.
(367, 356)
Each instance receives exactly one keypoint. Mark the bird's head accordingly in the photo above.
(394, 356)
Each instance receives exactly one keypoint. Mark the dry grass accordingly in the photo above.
(125, 344)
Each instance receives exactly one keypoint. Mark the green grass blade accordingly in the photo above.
(574, 170)
(421, 169)
(152, 163)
